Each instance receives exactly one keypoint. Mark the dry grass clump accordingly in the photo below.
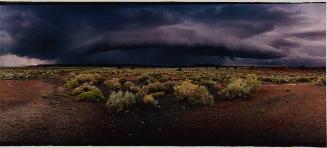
(113, 84)
(163, 87)
(154, 87)
(130, 86)
(168, 86)
(145, 79)
(149, 99)
(241, 88)
(194, 94)
(120, 101)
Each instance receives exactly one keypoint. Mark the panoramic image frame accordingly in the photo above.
(163, 73)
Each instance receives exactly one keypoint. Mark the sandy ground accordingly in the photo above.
(279, 115)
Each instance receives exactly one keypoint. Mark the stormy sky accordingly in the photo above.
(163, 34)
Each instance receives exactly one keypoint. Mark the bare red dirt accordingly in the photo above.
(278, 115)
(19, 92)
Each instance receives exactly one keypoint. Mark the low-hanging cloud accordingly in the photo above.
(166, 34)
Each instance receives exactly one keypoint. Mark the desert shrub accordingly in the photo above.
(241, 88)
(193, 93)
(237, 88)
(149, 99)
(141, 92)
(127, 85)
(303, 79)
(195, 78)
(156, 75)
(320, 81)
(206, 83)
(168, 86)
(164, 87)
(145, 79)
(80, 79)
(113, 84)
(163, 79)
(154, 87)
(122, 80)
(252, 81)
(83, 88)
(130, 86)
(120, 101)
(280, 79)
(142, 78)
(266, 78)
(92, 95)
(135, 89)
(293, 79)
(220, 78)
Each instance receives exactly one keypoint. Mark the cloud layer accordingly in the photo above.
(167, 34)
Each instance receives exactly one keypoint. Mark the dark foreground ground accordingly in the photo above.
(277, 115)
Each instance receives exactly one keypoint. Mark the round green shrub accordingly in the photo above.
(92, 95)
(83, 88)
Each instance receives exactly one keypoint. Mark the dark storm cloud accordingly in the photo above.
(284, 43)
(310, 35)
(246, 12)
(154, 33)
(241, 52)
